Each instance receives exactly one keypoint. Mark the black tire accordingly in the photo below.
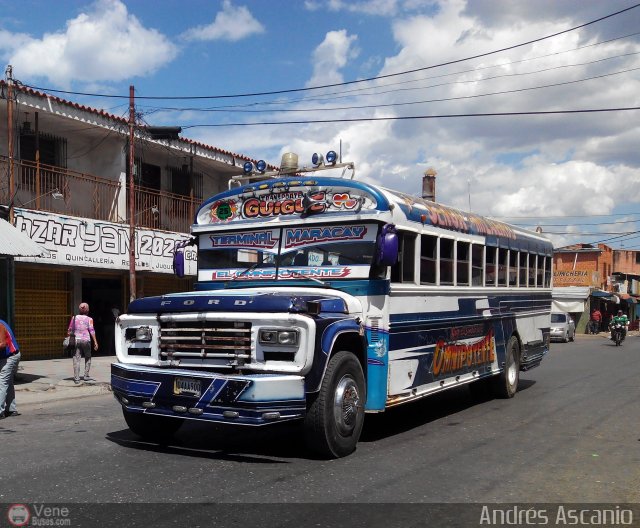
(505, 385)
(573, 336)
(566, 337)
(152, 427)
(335, 414)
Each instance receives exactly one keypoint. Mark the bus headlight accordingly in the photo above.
(143, 333)
(278, 337)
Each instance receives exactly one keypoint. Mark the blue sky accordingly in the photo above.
(578, 172)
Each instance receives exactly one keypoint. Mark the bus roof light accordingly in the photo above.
(247, 168)
(331, 157)
(261, 166)
(317, 159)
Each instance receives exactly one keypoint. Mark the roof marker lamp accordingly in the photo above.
(331, 157)
(247, 168)
(317, 159)
(261, 166)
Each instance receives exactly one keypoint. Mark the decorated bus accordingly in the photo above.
(321, 298)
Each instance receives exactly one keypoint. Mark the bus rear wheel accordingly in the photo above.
(152, 427)
(335, 415)
(506, 383)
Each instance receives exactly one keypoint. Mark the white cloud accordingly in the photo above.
(366, 7)
(105, 43)
(231, 24)
(582, 164)
(337, 48)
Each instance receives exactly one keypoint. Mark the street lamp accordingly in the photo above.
(55, 194)
(154, 209)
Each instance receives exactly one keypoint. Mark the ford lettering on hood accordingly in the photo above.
(238, 302)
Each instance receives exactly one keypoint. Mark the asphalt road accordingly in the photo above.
(569, 435)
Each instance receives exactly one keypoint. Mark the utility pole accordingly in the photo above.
(132, 205)
(10, 141)
(191, 211)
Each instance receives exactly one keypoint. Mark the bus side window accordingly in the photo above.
(522, 277)
(540, 273)
(503, 261)
(446, 261)
(513, 267)
(532, 269)
(490, 268)
(404, 269)
(547, 272)
(462, 263)
(428, 259)
(477, 264)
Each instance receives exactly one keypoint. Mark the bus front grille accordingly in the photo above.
(227, 341)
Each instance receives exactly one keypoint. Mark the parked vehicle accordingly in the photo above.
(563, 327)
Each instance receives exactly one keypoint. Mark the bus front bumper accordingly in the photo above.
(255, 399)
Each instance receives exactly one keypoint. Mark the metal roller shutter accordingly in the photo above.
(42, 302)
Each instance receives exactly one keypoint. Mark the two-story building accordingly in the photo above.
(588, 276)
(65, 178)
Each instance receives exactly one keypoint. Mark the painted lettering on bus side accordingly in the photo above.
(306, 235)
(448, 358)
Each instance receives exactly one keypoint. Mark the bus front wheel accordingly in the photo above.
(335, 414)
(506, 383)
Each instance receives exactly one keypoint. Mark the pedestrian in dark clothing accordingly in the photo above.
(9, 359)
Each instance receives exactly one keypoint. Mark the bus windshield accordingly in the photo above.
(316, 251)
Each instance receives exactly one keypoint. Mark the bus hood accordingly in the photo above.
(311, 302)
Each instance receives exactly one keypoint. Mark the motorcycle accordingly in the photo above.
(617, 333)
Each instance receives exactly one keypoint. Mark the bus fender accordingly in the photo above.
(343, 334)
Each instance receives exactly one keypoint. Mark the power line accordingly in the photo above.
(406, 103)
(577, 233)
(226, 108)
(564, 216)
(578, 224)
(616, 237)
(404, 118)
(346, 83)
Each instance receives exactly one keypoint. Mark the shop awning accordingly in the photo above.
(16, 244)
(628, 298)
(601, 294)
(606, 296)
(569, 299)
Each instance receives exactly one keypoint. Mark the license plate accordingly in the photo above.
(187, 387)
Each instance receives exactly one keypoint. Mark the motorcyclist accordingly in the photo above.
(623, 320)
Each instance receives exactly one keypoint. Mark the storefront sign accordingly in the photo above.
(575, 278)
(87, 243)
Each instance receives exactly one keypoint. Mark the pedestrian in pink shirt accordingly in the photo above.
(82, 326)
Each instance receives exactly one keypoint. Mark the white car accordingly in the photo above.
(563, 327)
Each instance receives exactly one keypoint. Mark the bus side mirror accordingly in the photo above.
(387, 246)
(178, 262)
(178, 256)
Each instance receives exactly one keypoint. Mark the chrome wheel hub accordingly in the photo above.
(346, 405)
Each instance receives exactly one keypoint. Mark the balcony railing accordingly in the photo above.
(90, 196)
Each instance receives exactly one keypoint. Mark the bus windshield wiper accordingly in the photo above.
(303, 276)
(245, 271)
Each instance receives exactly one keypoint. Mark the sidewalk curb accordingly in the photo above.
(29, 398)
(40, 382)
